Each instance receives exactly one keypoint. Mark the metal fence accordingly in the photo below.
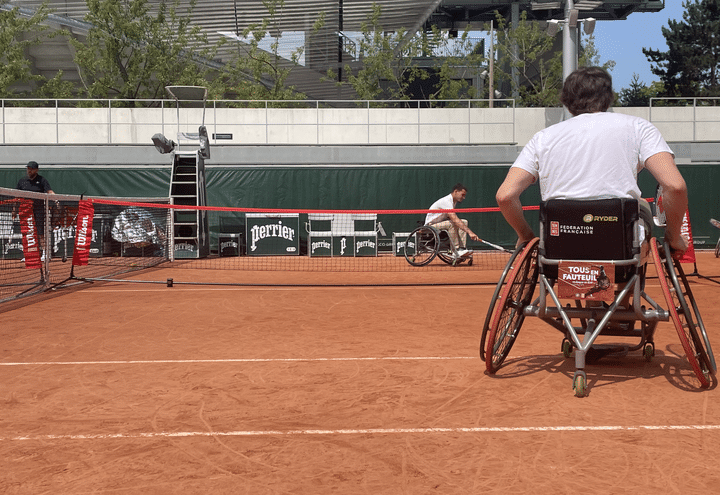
(116, 121)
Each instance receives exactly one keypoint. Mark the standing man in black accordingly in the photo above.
(36, 183)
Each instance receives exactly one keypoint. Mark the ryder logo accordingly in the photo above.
(278, 230)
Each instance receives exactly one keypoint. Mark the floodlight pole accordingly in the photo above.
(570, 45)
(491, 67)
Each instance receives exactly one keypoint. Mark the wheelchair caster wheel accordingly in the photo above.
(566, 348)
(649, 352)
(580, 384)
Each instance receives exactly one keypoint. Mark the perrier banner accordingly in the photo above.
(272, 234)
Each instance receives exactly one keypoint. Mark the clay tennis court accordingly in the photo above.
(145, 388)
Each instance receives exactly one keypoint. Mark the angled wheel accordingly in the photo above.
(421, 246)
(680, 314)
(508, 317)
(717, 249)
(493, 302)
(682, 287)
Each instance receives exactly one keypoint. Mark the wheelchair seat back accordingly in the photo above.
(602, 229)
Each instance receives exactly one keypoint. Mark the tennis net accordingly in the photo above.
(47, 240)
(130, 234)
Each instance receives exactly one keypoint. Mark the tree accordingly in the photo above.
(17, 34)
(638, 94)
(134, 50)
(538, 61)
(258, 74)
(690, 65)
(387, 67)
(529, 50)
(403, 66)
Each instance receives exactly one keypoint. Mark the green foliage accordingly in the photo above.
(690, 66)
(258, 74)
(538, 66)
(135, 49)
(15, 68)
(393, 64)
(638, 94)
(538, 61)
(387, 67)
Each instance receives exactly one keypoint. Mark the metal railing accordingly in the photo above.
(65, 116)
(705, 124)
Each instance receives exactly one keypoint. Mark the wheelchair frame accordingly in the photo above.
(517, 285)
(429, 243)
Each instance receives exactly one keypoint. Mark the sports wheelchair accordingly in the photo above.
(590, 252)
(426, 242)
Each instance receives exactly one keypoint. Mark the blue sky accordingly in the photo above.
(623, 41)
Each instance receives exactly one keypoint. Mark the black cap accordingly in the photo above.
(33, 164)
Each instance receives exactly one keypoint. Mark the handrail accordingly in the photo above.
(715, 101)
(69, 123)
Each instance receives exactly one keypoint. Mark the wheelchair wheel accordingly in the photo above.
(446, 257)
(424, 249)
(695, 347)
(717, 249)
(509, 315)
(495, 296)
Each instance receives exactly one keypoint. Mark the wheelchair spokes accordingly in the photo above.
(697, 350)
(509, 316)
(421, 246)
(493, 301)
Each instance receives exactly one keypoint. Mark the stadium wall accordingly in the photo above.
(338, 177)
(63, 124)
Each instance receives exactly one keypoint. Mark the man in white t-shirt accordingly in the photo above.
(595, 155)
(456, 227)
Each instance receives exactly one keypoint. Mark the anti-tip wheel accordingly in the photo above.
(580, 384)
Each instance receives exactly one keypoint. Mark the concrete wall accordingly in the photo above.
(323, 126)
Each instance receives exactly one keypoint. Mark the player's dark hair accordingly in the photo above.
(587, 90)
(459, 187)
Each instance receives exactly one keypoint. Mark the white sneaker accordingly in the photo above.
(464, 253)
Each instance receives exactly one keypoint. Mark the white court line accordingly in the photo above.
(371, 431)
(240, 360)
(179, 287)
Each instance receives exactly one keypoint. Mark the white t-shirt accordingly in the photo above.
(591, 156)
(444, 203)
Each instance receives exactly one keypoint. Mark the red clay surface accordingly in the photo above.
(142, 388)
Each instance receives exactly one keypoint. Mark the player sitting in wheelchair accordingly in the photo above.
(447, 221)
(595, 232)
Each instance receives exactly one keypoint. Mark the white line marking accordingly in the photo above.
(249, 360)
(371, 431)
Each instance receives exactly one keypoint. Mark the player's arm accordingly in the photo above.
(460, 226)
(675, 202)
(508, 199)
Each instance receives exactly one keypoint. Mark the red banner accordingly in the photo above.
(83, 233)
(31, 241)
(686, 231)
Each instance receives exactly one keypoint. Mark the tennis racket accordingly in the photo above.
(499, 248)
